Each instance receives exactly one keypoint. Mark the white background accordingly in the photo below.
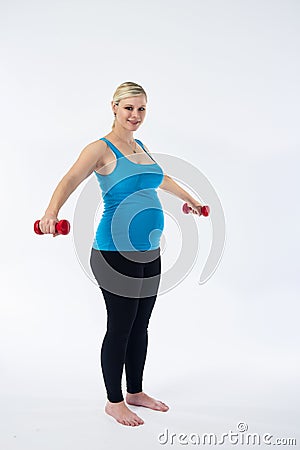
(222, 79)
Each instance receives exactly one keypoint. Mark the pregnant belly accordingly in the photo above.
(146, 228)
(133, 225)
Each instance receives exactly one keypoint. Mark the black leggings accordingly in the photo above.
(126, 338)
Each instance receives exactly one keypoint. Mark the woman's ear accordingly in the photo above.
(114, 107)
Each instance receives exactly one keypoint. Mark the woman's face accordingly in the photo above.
(130, 112)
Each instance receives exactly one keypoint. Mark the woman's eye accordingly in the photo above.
(130, 107)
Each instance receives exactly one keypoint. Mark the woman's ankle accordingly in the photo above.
(115, 403)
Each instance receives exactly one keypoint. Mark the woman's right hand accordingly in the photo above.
(47, 224)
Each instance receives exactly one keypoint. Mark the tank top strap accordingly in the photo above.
(142, 145)
(112, 147)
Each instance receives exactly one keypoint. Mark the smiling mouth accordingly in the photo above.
(134, 123)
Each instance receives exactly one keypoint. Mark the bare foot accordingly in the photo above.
(142, 399)
(122, 414)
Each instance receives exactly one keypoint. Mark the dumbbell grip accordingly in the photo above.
(205, 210)
(61, 227)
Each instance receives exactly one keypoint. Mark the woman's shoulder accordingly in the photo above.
(98, 148)
(98, 144)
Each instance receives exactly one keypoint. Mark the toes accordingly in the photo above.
(136, 422)
(162, 403)
(163, 406)
(139, 420)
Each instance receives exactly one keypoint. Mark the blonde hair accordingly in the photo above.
(125, 90)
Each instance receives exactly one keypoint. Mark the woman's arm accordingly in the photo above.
(60, 195)
(169, 185)
(85, 164)
(81, 169)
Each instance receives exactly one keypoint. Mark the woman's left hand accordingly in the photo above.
(196, 207)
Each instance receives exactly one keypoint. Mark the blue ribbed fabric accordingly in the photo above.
(133, 217)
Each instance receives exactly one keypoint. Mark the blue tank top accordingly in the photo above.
(133, 218)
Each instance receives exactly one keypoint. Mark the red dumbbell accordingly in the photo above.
(61, 227)
(204, 209)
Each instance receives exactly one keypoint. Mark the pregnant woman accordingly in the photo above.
(125, 256)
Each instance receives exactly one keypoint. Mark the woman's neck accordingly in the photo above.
(124, 135)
